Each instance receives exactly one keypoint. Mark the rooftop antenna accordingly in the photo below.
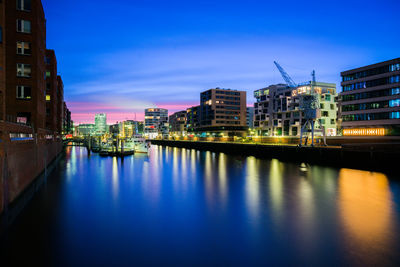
(313, 76)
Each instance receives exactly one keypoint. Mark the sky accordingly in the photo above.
(122, 56)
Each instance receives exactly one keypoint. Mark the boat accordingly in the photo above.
(140, 144)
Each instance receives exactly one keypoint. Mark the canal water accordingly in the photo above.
(186, 207)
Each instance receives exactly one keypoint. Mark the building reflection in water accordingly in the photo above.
(115, 178)
(222, 177)
(276, 188)
(252, 188)
(365, 204)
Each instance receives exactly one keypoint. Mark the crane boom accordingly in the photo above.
(285, 76)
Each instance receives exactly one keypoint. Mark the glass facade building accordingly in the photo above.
(371, 97)
(100, 122)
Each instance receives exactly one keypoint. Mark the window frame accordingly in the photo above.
(22, 29)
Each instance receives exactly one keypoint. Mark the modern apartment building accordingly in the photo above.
(223, 111)
(100, 122)
(250, 117)
(369, 103)
(277, 108)
(177, 123)
(192, 119)
(156, 122)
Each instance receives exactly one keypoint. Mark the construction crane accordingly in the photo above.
(285, 76)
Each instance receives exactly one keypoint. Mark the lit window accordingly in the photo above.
(23, 92)
(24, 70)
(394, 103)
(395, 115)
(24, 5)
(23, 48)
(48, 98)
(23, 26)
(48, 74)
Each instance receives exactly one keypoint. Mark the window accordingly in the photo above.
(24, 117)
(328, 97)
(24, 70)
(395, 67)
(395, 115)
(23, 92)
(325, 114)
(48, 97)
(47, 74)
(322, 106)
(23, 26)
(332, 106)
(332, 121)
(24, 48)
(394, 79)
(394, 103)
(24, 5)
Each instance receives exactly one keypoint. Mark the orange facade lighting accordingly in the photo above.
(364, 132)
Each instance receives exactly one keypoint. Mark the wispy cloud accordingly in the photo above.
(132, 80)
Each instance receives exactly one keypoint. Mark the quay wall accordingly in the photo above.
(374, 157)
(24, 155)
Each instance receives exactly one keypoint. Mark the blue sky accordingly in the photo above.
(122, 56)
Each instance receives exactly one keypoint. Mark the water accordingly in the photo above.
(186, 207)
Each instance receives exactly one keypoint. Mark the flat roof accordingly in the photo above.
(372, 66)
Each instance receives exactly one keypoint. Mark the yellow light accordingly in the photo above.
(365, 132)
(48, 98)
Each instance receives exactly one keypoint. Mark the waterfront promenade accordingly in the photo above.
(362, 153)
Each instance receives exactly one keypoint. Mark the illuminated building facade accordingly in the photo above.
(223, 112)
(100, 122)
(277, 111)
(128, 128)
(155, 122)
(85, 129)
(192, 118)
(177, 123)
(370, 99)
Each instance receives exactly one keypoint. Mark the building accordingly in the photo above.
(24, 44)
(155, 122)
(61, 106)
(277, 108)
(29, 98)
(51, 91)
(85, 129)
(369, 103)
(100, 122)
(250, 117)
(222, 112)
(128, 128)
(67, 122)
(177, 123)
(192, 119)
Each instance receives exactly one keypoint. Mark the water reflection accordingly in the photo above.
(186, 207)
(276, 187)
(365, 204)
